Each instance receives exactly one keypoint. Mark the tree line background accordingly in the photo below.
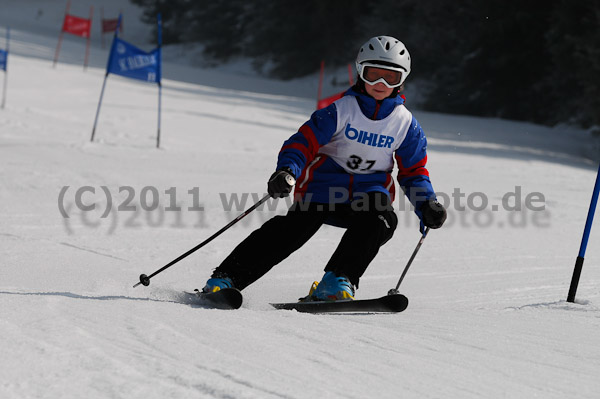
(532, 60)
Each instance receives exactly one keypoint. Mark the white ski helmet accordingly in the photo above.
(388, 51)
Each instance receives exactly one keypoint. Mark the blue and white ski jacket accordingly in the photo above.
(349, 147)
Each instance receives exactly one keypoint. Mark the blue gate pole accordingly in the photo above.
(99, 105)
(584, 241)
(5, 69)
(110, 56)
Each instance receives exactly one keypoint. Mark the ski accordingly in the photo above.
(386, 304)
(226, 298)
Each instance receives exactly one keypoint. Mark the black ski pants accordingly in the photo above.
(369, 224)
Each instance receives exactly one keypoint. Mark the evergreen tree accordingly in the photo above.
(290, 38)
(174, 18)
(574, 42)
(530, 60)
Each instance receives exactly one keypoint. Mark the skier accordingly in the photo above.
(342, 158)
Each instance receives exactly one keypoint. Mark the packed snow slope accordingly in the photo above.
(487, 314)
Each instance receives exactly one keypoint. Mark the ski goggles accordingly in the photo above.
(375, 73)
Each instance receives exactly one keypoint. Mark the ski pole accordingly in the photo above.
(414, 254)
(145, 280)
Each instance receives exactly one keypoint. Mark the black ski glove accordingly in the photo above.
(280, 183)
(434, 214)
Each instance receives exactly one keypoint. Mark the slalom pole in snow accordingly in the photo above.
(60, 36)
(5, 69)
(414, 254)
(88, 41)
(99, 105)
(584, 241)
(105, 78)
(159, 70)
(145, 280)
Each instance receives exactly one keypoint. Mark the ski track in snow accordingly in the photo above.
(487, 314)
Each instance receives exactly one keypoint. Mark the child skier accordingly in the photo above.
(342, 159)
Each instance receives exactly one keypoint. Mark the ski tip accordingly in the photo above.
(394, 303)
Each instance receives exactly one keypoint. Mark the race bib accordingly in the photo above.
(363, 146)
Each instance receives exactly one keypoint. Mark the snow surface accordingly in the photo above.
(487, 316)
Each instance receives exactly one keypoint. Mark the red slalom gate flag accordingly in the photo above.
(77, 26)
(325, 102)
(110, 25)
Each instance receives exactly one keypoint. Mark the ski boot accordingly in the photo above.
(331, 288)
(215, 284)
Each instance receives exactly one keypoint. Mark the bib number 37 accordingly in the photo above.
(357, 163)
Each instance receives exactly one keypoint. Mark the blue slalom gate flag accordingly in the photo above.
(3, 58)
(127, 60)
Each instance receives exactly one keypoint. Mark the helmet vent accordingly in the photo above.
(371, 47)
(402, 52)
(387, 46)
